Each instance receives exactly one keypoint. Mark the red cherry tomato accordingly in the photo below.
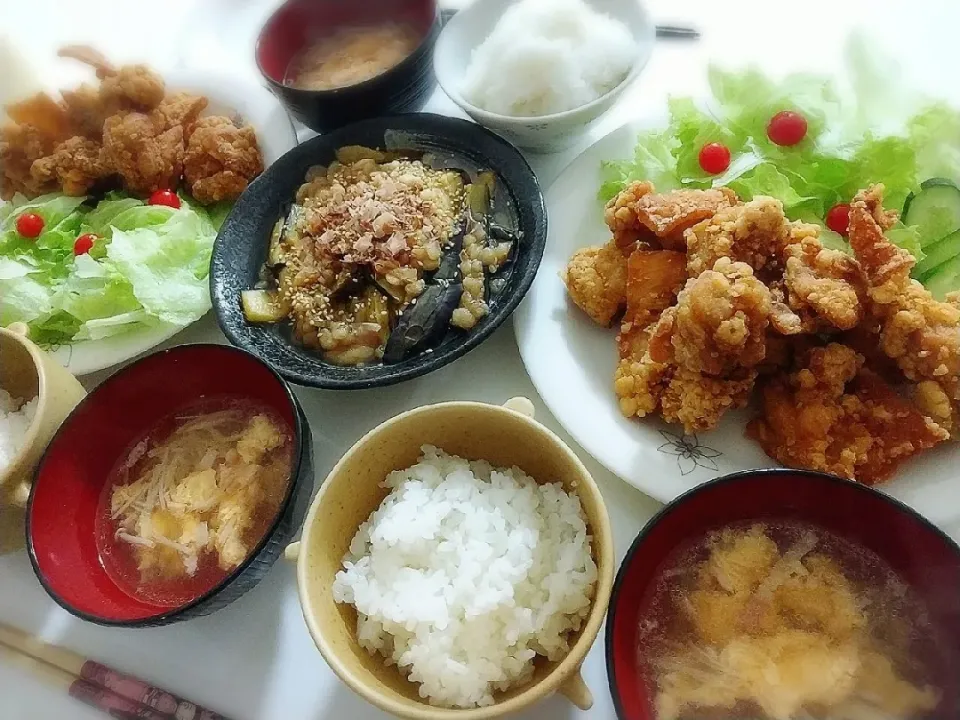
(164, 197)
(787, 128)
(714, 158)
(838, 219)
(30, 225)
(84, 243)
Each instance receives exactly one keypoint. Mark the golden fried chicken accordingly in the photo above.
(132, 87)
(669, 215)
(43, 113)
(20, 147)
(75, 165)
(699, 401)
(639, 381)
(834, 416)
(827, 282)
(654, 277)
(181, 109)
(596, 280)
(752, 233)
(620, 215)
(719, 323)
(638, 214)
(221, 159)
(920, 333)
(146, 155)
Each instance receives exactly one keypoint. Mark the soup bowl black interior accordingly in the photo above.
(405, 87)
(243, 242)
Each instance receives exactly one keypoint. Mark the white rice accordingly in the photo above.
(465, 573)
(15, 419)
(548, 56)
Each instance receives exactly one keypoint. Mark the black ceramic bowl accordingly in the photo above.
(406, 87)
(242, 244)
(64, 501)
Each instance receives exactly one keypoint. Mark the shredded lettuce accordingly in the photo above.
(149, 267)
(866, 126)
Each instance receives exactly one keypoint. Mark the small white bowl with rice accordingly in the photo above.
(457, 563)
(36, 395)
(540, 72)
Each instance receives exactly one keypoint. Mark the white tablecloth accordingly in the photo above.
(255, 658)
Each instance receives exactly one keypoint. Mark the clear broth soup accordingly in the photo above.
(189, 501)
(786, 622)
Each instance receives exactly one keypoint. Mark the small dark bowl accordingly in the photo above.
(242, 244)
(923, 556)
(69, 480)
(406, 87)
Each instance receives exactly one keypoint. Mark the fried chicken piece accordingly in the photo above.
(699, 401)
(221, 159)
(921, 334)
(146, 155)
(85, 110)
(182, 109)
(43, 113)
(639, 381)
(669, 215)
(638, 214)
(20, 147)
(596, 280)
(654, 277)
(719, 322)
(135, 86)
(620, 216)
(834, 416)
(822, 283)
(132, 87)
(76, 165)
(752, 233)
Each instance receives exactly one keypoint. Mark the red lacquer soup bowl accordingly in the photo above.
(69, 482)
(921, 555)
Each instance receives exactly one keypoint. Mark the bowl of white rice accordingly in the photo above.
(36, 395)
(457, 564)
(540, 72)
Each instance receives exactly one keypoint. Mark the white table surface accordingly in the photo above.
(255, 659)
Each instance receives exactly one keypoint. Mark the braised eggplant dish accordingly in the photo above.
(381, 255)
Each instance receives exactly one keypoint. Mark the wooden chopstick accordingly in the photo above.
(80, 689)
(95, 684)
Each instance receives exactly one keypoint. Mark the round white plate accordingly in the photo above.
(571, 361)
(229, 95)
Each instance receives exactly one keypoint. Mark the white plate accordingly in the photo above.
(228, 95)
(571, 361)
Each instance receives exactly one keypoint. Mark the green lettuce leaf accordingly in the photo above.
(167, 266)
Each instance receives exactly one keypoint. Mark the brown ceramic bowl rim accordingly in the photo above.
(22, 338)
(428, 38)
(566, 669)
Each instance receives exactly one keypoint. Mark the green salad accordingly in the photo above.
(73, 271)
(872, 129)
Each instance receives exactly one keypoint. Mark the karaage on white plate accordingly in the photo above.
(126, 130)
(858, 366)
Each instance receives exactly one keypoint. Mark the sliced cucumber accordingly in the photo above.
(937, 254)
(944, 279)
(935, 210)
